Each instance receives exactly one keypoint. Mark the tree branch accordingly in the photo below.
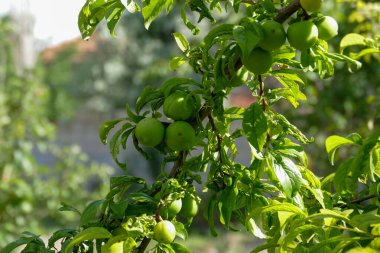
(286, 12)
(358, 201)
(143, 245)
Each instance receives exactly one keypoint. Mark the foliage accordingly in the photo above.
(27, 186)
(276, 197)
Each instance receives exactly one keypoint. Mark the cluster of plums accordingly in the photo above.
(179, 135)
(301, 35)
(164, 231)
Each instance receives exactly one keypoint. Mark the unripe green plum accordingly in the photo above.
(274, 35)
(302, 35)
(189, 207)
(258, 61)
(327, 28)
(116, 248)
(164, 232)
(149, 132)
(240, 77)
(179, 106)
(180, 136)
(311, 5)
(172, 210)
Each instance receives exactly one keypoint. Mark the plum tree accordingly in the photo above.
(273, 194)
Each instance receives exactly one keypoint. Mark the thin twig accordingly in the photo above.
(262, 91)
(357, 201)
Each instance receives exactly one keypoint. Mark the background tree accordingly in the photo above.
(28, 187)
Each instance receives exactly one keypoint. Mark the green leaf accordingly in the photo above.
(181, 231)
(13, 245)
(341, 178)
(89, 214)
(92, 13)
(146, 96)
(116, 141)
(289, 238)
(113, 15)
(88, 234)
(276, 207)
(68, 208)
(222, 31)
(209, 214)
(132, 116)
(130, 5)
(119, 208)
(352, 39)
(194, 29)
(116, 239)
(125, 181)
(255, 229)
(248, 35)
(362, 250)
(291, 129)
(255, 126)
(333, 240)
(129, 245)
(326, 214)
(200, 7)
(179, 248)
(291, 81)
(106, 128)
(142, 197)
(287, 173)
(265, 247)
(365, 221)
(364, 52)
(268, 5)
(227, 204)
(333, 143)
(174, 83)
(152, 10)
(57, 235)
(290, 149)
(181, 41)
(176, 62)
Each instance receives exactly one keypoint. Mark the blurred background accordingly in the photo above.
(56, 90)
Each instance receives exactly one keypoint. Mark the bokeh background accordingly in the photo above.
(56, 90)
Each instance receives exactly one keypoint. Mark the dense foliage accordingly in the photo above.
(276, 196)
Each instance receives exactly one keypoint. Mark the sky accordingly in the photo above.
(56, 20)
